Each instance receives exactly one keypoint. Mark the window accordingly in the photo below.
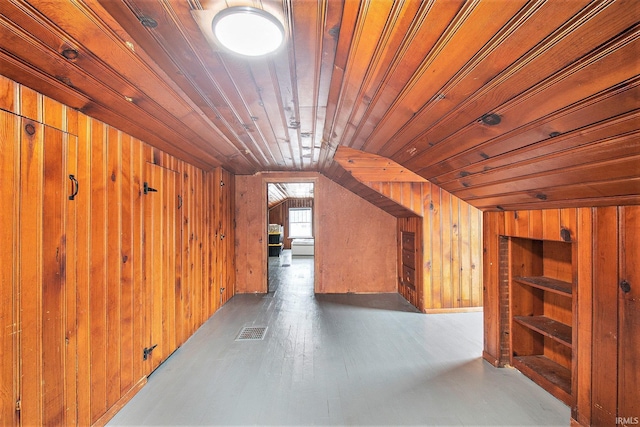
(300, 222)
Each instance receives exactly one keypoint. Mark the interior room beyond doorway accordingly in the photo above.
(290, 232)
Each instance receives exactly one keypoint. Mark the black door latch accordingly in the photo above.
(148, 189)
(147, 351)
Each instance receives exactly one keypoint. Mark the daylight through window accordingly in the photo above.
(300, 220)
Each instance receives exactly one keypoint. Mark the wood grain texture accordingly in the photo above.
(31, 273)
(79, 299)
(10, 145)
(601, 365)
(629, 314)
(368, 167)
(604, 365)
(584, 307)
(410, 255)
(451, 240)
(410, 81)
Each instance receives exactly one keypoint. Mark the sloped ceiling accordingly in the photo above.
(507, 104)
(278, 192)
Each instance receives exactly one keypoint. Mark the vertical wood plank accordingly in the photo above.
(30, 104)
(475, 237)
(187, 271)
(404, 190)
(427, 251)
(437, 251)
(493, 228)
(229, 249)
(83, 272)
(551, 220)
(9, 211)
(446, 224)
(629, 315)
(126, 260)
(510, 223)
(216, 225)
(536, 224)
(582, 335)
(113, 146)
(568, 221)
(153, 225)
(416, 198)
(31, 274)
(179, 293)
(454, 254)
(53, 278)
(464, 255)
(521, 223)
(605, 321)
(52, 113)
(71, 303)
(198, 261)
(169, 301)
(98, 271)
(140, 302)
(9, 98)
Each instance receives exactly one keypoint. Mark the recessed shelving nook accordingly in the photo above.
(541, 297)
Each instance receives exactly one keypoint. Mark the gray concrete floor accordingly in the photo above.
(336, 360)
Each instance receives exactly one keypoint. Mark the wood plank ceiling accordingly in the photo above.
(407, 80)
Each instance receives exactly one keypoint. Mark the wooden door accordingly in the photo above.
(46, 276)
(161, 205)
(629, 317)
(408, 270)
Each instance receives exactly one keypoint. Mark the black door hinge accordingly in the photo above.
(147, 351)
(148, 189)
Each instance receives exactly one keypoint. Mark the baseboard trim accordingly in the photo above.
(491, 359)
(111, 412)
(452, 310)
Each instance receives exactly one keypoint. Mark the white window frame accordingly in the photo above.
(292, 220)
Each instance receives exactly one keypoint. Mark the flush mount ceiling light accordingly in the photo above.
(248, 31)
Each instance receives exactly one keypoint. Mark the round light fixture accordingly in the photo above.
(248, 31)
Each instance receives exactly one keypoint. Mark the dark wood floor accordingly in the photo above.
(336, 360)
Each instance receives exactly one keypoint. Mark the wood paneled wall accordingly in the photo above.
(88, 284)
(279, 214)
(452, 239)
(412, 258)
(608, 319)
(355, 241)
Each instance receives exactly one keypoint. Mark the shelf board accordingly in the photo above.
(546, 283)
(275, 244)
(548, 327)
(551, 376)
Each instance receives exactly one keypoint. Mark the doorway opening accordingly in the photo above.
(291, 234)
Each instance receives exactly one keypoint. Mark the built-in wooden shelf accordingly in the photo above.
(541, 313)
(551, 376)
(547, 327)
(546, 284)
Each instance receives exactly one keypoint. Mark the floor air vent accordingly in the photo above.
(252, 333)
